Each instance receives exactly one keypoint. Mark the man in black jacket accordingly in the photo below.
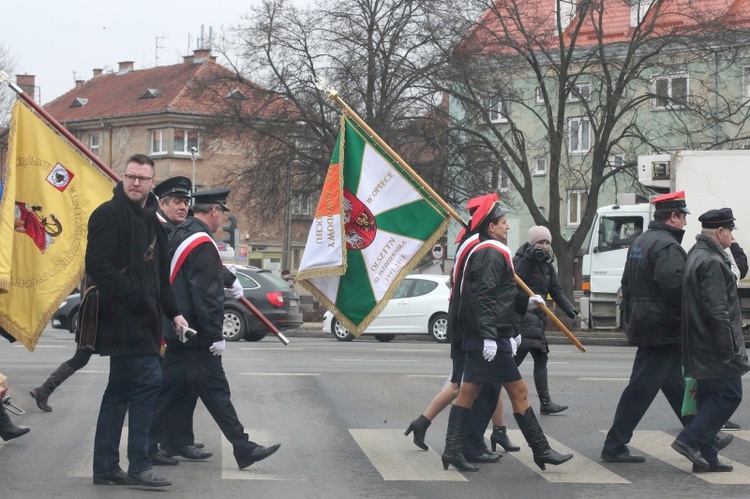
(127, 257)
(198, 284)
(712, 345)
(651, 302)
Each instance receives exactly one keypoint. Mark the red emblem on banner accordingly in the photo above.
(359, 223)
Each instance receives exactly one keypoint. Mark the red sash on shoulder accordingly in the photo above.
(184, 249)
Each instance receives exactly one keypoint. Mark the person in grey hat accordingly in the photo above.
(713, 349)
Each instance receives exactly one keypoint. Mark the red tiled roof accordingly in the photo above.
(119, 95)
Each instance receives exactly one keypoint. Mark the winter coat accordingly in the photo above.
(712, 343)
(652, 287)
(134, 287)
(484, 301)
(541, 278)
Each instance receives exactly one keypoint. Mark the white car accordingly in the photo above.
(419, 306)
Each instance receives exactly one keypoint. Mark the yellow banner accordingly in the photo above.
(50, 190)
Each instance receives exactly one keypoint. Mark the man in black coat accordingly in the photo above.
(127, 257)
(651, 303)
(198, 285)
(713, 348)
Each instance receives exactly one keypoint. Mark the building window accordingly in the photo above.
(538, 95)
(579, 139)
(185, 140)
(669, 91)
(497, 108)
(638, 10)
(576, 205)
(746, 82)
(579, 92)
(540, 167)
(301, 204)
(94, 144)
(503, 182)
(158, 142)
(616, 161)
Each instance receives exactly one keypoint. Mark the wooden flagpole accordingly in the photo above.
(333, 94)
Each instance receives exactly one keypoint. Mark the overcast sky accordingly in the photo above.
(60, 41)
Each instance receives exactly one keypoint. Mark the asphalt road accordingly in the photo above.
(339, 411)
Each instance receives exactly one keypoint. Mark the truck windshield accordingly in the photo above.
(618, 232)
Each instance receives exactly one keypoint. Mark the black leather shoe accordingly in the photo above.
(116, 478)
(258, 454)
(625, 457)
(717, 467)
(188, 452)
(694, 455)
(149, 478)
(199, 444)
(159, 459)
(484, 458)
(723, 439)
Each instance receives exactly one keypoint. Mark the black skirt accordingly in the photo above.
(502, 369)
(458, 370)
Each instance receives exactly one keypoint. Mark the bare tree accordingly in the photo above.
(7, 96)
(579, 83)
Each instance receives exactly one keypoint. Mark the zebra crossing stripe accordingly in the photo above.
(658, 444)
(580, 469)
(396, 458)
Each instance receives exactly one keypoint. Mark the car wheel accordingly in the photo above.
(234, 325)
(254, 337)
(385, 338)
(340, 332)
(439, 328)
(73, 322)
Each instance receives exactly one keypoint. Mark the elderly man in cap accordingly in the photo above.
(198, 285)
(174, 201)
(713, 349)
(651, 303)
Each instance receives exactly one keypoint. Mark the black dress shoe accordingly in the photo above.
(694, 455)
(625, 457)
(149, 478)
(258, 454)
(188, 452)
(159, 459)
(717, 467)
(199, 444)
(116, 478)
(723, 439)
(484, 458)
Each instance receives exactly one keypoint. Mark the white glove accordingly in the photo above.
(218, 347)
(236, 289)
(515, 343)
(231, 268)
(535, 301)
(490, 350)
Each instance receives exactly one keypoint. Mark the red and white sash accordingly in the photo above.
(184, 249)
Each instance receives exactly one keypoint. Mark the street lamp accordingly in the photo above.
(193, 156)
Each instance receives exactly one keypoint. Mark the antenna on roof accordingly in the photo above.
(157, 47)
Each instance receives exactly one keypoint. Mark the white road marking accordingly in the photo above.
(286, 349)
(441, 376)
(580, 469)
(658, 444)
(604, 379)
(396, 458)
(387, 361)
(410, 350)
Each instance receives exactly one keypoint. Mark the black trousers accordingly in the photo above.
(173, 412)
(203, 371)
(654, 369)
(481, 414)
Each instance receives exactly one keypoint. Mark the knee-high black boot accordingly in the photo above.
(8, 430)
(458, 424)
(419, 427)
(500, 436)
(42, 393)
(542, 389)
(532, 432)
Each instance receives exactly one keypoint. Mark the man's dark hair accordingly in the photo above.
(141, 159)
(203, 207)
(664, 215)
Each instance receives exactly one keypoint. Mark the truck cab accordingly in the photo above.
(612, 233)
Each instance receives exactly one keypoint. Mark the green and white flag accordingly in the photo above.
(373, 224)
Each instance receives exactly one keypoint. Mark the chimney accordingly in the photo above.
(125, 67)
(79, 83)
(98, 72)
(27, 84)
(200, 55)
(187, 59)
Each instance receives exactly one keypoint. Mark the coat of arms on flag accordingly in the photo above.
(373, 224)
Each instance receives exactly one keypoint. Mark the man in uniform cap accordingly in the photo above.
(174, 201)
(713, 349)
(198, 285)
(651, 303)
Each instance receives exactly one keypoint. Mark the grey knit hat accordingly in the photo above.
(539, 233)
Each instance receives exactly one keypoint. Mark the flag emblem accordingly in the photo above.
(60, 177)
(359, 223)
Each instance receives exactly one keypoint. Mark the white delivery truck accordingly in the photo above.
(710, 179)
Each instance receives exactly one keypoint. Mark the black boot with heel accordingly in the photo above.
(532, 432)
(542, 389)
(458, 425)
(419, 427)
(500, 437)
(8, 430)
